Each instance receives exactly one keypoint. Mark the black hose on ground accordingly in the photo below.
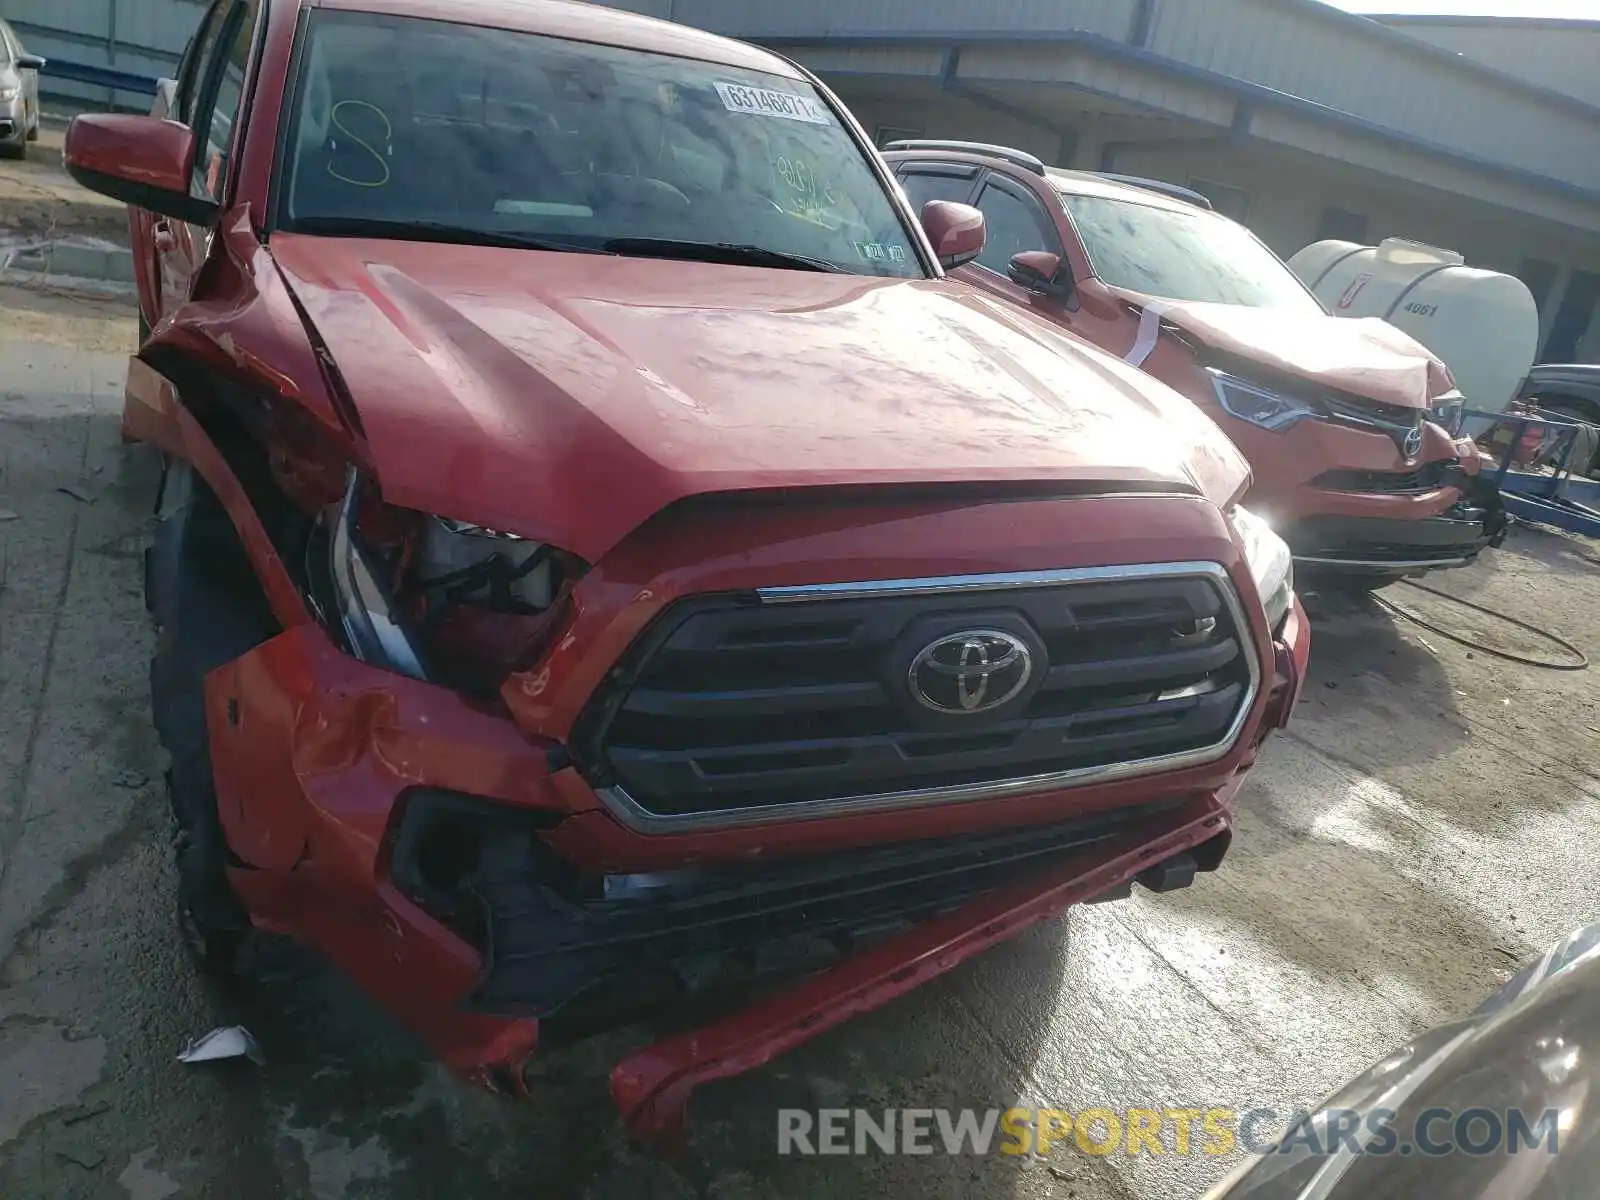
(1582, 662)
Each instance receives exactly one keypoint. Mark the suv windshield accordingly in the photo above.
(1195, 256)
(412, 127)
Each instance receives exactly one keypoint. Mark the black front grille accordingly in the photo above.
(731, 703)
(1426, 478)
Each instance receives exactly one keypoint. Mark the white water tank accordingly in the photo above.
(1482, 324)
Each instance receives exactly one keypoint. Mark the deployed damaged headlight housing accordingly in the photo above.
(1271, 564)
(366, 611)
(1449, 411)
(388, 603)
(1259, 405)
(459, 561)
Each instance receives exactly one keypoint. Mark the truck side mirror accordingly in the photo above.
(143, 161)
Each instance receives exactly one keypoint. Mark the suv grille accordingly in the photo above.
(744, 704)
(1426, 478)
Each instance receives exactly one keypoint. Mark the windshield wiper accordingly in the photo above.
(437, 231)
(732, 253)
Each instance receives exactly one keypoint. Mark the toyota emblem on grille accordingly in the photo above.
(1413, 442)
(971, 672)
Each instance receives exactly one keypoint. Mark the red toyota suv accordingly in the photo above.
(605, 566)
(1352, 428)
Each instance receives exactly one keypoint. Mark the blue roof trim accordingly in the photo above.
(1237, 87)
(107, 77)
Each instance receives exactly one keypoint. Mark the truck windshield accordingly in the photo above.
(412, 127)
(1193, 256)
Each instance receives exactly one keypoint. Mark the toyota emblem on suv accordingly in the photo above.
(971, 672)
(1413, 443)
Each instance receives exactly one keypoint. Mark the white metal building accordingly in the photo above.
(1559, 54)
(1301, 119)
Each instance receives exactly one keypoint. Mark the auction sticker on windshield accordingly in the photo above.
(736, 97)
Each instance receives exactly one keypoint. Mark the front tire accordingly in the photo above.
(209, 610)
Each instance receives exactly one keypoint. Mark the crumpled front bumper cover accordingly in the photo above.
(312, 750)
(652, 1088)
(1377, 545)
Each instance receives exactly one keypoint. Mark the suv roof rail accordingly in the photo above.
(1158, 185)
(1019, 157)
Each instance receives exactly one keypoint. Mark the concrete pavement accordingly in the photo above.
(1426, 825)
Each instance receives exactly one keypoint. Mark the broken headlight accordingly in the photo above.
(457, 562)
(363, 602)
(1271, 564)
(436, 598)
(1261, 406)
(1449, 411)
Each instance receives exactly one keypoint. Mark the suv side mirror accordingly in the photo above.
(956, 231)
(1042, 273)
(29, 62)
(143, 161)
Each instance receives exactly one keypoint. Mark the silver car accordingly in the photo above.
(19, 94)
(1500, 1105)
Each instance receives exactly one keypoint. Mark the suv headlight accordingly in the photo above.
(8, 91)
(1448, 411)
(1271, 564)
(1260, 406)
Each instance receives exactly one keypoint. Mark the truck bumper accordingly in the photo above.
(652, 1088)
(314, 756)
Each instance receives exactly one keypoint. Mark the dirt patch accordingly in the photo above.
(63, 317)
(39, 200)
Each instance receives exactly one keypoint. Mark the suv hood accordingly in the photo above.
(570, 397)
(1364, 356)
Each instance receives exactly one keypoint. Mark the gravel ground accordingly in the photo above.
(39, 199)
(1423, 828)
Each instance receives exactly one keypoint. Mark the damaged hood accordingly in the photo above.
(1363, 356)
(570, 397)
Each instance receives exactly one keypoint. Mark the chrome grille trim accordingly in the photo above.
(631, 814)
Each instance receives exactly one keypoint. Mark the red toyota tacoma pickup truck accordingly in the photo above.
(605, 565)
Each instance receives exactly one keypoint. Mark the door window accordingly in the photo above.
(922, 186)
(1012, 225)
(217, 110)
(197, 52)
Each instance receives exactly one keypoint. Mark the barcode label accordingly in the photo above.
(761, 102)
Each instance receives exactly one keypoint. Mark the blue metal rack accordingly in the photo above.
(107, 77)
(1562, 499)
